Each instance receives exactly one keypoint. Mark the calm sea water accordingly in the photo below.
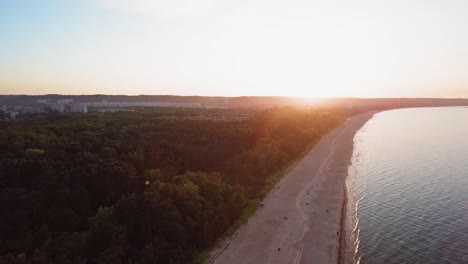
(408, 188)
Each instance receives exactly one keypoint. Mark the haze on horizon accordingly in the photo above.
(363, 48)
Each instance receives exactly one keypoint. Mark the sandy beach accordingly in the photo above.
(300, 221)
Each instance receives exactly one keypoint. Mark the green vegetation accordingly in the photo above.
(153, 186)
(33, 153)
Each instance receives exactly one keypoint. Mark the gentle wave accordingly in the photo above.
(407, 188)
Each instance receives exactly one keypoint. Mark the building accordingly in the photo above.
(32, 109)
(79, 108)
(64, 101)
(13, 114)
(57, 107)
(145, 104)
(43, 101)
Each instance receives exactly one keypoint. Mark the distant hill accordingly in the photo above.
(244, 101)
(204, 100)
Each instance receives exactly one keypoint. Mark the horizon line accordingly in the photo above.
(241, 96)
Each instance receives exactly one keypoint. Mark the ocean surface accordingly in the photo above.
(408, 188)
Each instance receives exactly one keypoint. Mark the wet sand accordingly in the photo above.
(302, 217)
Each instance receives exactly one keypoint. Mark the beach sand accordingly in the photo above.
(300, 221)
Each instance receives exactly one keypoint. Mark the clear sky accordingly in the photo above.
(364, 48)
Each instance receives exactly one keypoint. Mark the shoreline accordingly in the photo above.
(303, 217)
(343, 252)
(343, 234)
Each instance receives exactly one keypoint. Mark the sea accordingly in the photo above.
(408, 188)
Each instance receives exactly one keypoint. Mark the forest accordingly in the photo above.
(150, 186)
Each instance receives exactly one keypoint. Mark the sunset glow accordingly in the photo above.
(293, 48)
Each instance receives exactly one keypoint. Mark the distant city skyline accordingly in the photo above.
(364, 48)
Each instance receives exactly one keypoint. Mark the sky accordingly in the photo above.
(306, 48)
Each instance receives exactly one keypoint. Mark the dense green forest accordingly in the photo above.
(151, 186)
